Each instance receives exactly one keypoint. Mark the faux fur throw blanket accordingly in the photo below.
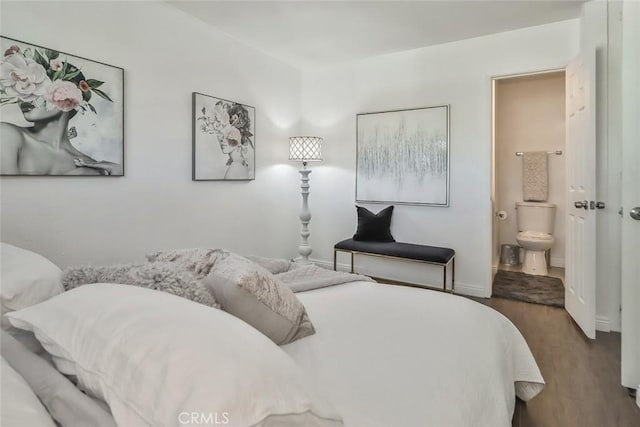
(308, 277)
(162, 276)
(198, 261)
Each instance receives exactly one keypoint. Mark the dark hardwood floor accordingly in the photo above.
(583, 376)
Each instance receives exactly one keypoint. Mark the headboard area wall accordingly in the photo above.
(166, 55)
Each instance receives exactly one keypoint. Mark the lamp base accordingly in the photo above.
(302, 261)
(305, 216)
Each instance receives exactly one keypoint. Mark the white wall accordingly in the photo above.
(530, 117)
(456, 73)
(166, 55)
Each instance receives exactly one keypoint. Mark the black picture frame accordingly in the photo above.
(94, 119)
(223, 139)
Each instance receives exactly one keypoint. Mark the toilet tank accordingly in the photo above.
(536, 216)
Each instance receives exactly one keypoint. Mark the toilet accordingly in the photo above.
(536, 221)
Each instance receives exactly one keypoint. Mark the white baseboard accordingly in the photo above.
(615, 325)
(602, 324)
(461, 288)
(471, 290)
(329, 265)
(557, 262)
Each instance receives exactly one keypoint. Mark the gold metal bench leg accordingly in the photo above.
(453, 274)
(352, 255)
(444, 280)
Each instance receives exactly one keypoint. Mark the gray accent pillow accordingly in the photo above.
(251, 293)
(161, 276)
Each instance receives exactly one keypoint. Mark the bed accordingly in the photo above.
(376, 355)
(402, 356)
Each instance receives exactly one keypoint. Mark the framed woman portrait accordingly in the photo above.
(223, 140)
(61, 114)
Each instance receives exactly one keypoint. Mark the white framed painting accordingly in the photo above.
(403, 156)
(61, 114)
(223, 140)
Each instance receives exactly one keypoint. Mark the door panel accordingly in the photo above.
(580, 290)
(630, 194)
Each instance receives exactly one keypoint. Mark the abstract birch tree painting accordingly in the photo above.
(403, 157)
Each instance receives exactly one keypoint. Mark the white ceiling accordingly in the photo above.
(308, 33)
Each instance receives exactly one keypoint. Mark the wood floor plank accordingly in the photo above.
(583, 376)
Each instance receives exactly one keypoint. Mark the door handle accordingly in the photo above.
(635, 213)
(584, 204)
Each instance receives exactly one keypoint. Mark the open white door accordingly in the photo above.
(631, 194)
(580, 277)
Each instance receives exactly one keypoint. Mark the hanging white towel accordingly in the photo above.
(535, 176)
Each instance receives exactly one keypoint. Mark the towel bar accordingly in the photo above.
(558, 152)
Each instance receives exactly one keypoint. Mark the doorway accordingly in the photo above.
(528, 187)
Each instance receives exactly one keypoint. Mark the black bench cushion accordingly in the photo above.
(400, 250)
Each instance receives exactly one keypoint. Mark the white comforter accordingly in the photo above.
(400, 356)
(19, 405)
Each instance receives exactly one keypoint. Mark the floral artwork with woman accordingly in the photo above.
(52, 94)
(231, 124)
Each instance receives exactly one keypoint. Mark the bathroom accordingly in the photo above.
(529, 167)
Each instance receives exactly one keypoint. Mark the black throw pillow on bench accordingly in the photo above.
(374, 227)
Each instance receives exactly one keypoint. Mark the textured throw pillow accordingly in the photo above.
(251, 293)
(161, 276)
(156, 359)
(374, 227)
(196, 260)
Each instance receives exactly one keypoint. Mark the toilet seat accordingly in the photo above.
(535, 235)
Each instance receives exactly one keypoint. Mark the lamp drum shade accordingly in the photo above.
(305, 148)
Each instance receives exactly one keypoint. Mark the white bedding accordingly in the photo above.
(401, 356)
(19, 405)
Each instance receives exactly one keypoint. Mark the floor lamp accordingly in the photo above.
(305, 149)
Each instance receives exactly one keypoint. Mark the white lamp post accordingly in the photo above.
(305, 149)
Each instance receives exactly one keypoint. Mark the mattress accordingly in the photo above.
(400, 356)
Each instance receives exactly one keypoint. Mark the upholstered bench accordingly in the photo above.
(407, 251)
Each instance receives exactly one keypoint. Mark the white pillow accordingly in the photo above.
(65, 403)
(26, 278)
(157, 359)
(19, 404)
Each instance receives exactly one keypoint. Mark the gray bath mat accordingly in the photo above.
(525, 287)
